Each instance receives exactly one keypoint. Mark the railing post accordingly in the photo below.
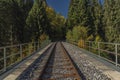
(29, 48)
(99, 48)
(38, 45)
(21, 51)
(5, 59)
(116, 55)
(84, 44)
(89, 46)
(34, 46)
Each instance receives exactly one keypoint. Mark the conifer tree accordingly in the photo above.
(117, 20)
(78, 13)
(12, 19)
(36, 19)
(111, 20)
(97, 15)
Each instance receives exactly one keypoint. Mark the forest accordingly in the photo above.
(92, 23)
(24, 21)
(25, 27)
(93, 20)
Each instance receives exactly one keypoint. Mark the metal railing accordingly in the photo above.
(11, 55)
(106, 50)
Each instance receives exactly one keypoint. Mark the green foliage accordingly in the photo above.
(112, 20)
(102, 20)
(12, 21)
(77, 33)
(56, 24)
(24, 21)
(97, 15)
(36, 20)
(69, 35)
(78, 13)
(90, 38)
(87, 13)
(98, 39)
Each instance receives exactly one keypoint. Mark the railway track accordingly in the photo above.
(54, 65)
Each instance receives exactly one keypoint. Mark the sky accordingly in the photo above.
(60, 6)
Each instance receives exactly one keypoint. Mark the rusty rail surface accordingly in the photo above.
(59, 66)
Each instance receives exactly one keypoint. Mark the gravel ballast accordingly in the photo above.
(91, 68)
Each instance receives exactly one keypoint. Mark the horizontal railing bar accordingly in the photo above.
(118, 54)
(9, 52)
(12, 46)
(104, 42)
(26, 44)
(96, 46)
(103, 50)
(1, 70)
(107, 51)
(12, 64)
(25, 51)
(113, 62)
(12, 55)
(93, 48)
(17, 45)
(1, 59)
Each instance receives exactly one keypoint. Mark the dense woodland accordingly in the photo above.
(27, 21)
(100, 21)
(24, 21)
(93, 20)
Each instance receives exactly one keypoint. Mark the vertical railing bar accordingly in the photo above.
(38, 45)
(92, 46)
(34, 46)
(29, 48)
(99, 49)
(5, 59)
(89, 46)
(116, 56)
(21, 51)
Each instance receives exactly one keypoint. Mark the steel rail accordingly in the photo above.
(55, 66)
(66, 54)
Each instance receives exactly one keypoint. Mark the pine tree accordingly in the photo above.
(111, 14)
(56, 24)
(117, 20)
(6, 22)
(36, 19)
(72, 14)
(13, 20)
(97, 15)
(78, 13)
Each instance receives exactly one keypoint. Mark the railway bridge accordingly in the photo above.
(60, 61)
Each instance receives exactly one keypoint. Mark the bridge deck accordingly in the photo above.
(91, 60)
(83, 56)
(17, 70)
